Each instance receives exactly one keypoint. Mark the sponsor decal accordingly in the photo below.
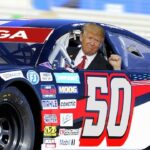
(48, 146)
(68, 132)
(49, 140)
(49, 143)
(50, 131)
(48, 91)
(68, 89)
(44, 76)
(50, 104)
(11, 75)
(33, 77)
(66, 119)
(67, 142)
(67, 103)
(22, 34)
(50, 118)
(67, 78)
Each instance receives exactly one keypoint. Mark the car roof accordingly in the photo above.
(43, 23)
(47, 23)
(52, 23)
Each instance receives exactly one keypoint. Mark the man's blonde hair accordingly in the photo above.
(95, 28)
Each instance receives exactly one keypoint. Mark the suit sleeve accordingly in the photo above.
(100, 63)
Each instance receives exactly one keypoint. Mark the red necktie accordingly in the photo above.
(82, 63)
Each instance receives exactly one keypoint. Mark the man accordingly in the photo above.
(89, 57)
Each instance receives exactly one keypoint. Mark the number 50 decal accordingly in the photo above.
(110, 98)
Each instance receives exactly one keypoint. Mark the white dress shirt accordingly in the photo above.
(79, 58)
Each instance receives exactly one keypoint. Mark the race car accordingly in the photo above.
(47, 103)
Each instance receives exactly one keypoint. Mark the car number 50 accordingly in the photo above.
(105, 111)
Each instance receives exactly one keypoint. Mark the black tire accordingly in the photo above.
(17, 131)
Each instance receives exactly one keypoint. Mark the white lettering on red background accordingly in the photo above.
(24, 34)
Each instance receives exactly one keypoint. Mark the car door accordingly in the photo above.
(135, 53)
(94, 108)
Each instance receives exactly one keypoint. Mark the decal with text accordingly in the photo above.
(24, 34)
(104, 114)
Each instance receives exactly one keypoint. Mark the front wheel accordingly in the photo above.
(17, 129)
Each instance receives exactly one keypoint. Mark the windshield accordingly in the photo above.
(18, 53)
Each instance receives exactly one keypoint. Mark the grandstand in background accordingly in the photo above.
(129, 6)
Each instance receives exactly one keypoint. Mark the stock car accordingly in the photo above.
(47, 103)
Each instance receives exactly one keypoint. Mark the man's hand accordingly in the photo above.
(115, 61)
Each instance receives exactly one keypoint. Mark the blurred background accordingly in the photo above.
(133, 15)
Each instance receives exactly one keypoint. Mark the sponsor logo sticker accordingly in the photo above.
(50, 131)
(23, 34)
(67, 78)
(66, 119)
(67, 142)
(44, 76)
(68, 89)
(67, 103)
(50, 118)
(11, 75)
(68, 132)
(47, 146)
(49, 143)
(33, 77)
(48, 91)
(50, 104)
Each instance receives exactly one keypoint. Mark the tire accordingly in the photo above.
(17, 130)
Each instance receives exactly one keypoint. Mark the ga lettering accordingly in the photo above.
(7, 34)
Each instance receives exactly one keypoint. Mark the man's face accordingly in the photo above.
(91, 41)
